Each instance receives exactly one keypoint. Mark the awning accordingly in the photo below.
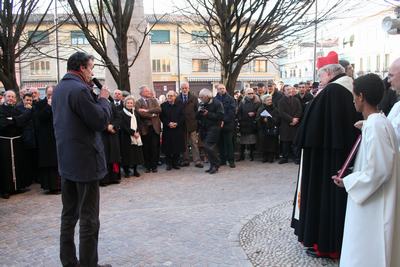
(204, 79)
(240, 79)
(38, 84)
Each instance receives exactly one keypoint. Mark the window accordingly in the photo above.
(361, 65)
(260, 65)
(378, 63)
(386, 64)
(41, 37)
(160, 37)
(40, 67)
(368, 63)
(161, 65)
(78, 38)
(300, 73)
(200, 37)
(200, 65)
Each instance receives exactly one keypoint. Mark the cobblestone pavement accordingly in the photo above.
(267, 240)
(175, 218)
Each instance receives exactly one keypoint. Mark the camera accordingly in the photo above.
(202, 108)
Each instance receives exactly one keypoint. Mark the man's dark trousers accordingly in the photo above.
(151, 148)
(80, 201)
(225, 142)
(210, 144)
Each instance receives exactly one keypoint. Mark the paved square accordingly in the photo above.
(176, 218)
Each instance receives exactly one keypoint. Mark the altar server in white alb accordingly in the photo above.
(372, 225)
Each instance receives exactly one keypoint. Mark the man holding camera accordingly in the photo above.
(210, 116)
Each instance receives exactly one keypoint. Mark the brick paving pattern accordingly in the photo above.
(175, 218)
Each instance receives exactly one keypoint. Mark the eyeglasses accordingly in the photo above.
(250, 93)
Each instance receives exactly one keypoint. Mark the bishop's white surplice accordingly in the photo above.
(372, 225)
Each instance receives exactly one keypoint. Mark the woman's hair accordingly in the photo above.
(371, 87)
(129, 97)
(205, 93)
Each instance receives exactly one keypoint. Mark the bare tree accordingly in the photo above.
(111, 18)
(240, 31)
(14, 16)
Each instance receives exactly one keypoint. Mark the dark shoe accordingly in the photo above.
(199, 165)
(104, 265)
(115, 182)
(185, 164)
(240, 158)
(136, 174)
(311, 252)
(208, 170)
(222, 163)
(126, 175)
(213, 170)
(168, 168)
(54, 192)
(297, 161)
(22, 190)
(5, 196)
(101, 184)
(154, 170)
(176, 167)
(283, 161)
(147, 171)
(232, 164)
(264, 160)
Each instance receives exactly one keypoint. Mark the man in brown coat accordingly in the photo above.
(191, 104)
(149, 109)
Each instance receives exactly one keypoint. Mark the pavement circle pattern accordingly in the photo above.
(268, 240)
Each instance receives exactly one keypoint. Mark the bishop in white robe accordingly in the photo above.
(372, 223)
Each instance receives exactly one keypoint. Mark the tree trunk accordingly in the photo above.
(229, 78)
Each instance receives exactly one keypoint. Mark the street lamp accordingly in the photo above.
(390, 25)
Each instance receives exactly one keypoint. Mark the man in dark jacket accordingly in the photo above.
(78, 121)
(304, 96)
(290, 112)
(210, 116)
(227, 128)
(276, 95)
(47, 152)
(190, 106)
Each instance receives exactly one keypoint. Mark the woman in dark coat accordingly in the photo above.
(247, 112)
(110, 137)
(131, 142)
(268, 129)
(173, 135)
(47, 161)
(290, 111)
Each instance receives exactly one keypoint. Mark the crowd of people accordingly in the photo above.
(311, 124)
(148, 132)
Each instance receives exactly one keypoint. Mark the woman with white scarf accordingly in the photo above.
(131, 142)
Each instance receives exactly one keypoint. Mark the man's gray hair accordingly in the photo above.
(333, 69)
(141, 88)
(184, 83)
(205, 92)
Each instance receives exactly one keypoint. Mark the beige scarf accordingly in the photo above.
(134, 140)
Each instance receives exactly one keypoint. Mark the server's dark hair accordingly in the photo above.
(371, 86)
(78, 59)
